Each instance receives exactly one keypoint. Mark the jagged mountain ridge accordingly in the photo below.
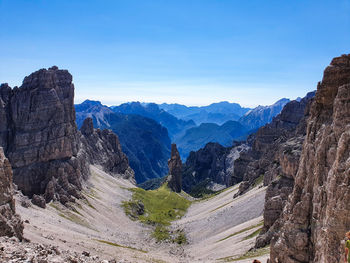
(210, 168)
(261, 115)
(145, 142)
(217, 113)
(41, 140)
(316, 216)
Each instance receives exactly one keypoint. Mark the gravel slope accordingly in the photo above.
(102, 217)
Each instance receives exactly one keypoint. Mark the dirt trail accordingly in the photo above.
(100, 226)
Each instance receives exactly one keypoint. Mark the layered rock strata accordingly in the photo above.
(103, 148)
(317, 214)
(40, 137)
(211, 167)
(273, 159)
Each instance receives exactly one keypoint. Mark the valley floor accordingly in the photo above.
(219, 229)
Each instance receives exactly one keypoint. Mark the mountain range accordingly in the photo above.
(175, 126)
(155, 120)
(218, 113)
(69, 194)
(144, 141)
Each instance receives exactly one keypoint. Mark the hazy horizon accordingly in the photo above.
(147, 102)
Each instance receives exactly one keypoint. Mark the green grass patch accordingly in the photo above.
(254, 234)
(249, 254)
(161, 206)
(221, 206)
(121, 246)
(258, 180)
(161, 233)
(180, 238)
(241, 231)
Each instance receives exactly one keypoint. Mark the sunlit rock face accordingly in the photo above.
(317, 214)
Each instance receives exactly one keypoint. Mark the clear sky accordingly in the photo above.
(193, 52)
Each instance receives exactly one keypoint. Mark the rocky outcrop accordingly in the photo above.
(274, 158)
(318, 211)
(275, 147)
(145, 142)
(211, 168)
(40, 137)
(103, 148)
(10, 222)
(175, 170)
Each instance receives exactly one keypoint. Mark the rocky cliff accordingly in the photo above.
(317, 214)
(275, 147)
(210, 168)
(103, 148)
(175, 170)
(145, 142)
(10, 223)
(273, 159)
(40, 136)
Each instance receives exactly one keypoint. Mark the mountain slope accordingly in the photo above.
(174, 125)
(144, 141)
(262, 115)
(197, 137)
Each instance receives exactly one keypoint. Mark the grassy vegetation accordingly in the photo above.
(161, 206)
(201, 190)
(121, 246)
(180, 238)
(254, 234)
(221, 206)
(213, 194)
(249, 254)
(259, 180)
(241, 231)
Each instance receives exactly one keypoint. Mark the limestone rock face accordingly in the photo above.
(213, 164)
(317, 214)
(10, 222)
(103, 148)
(40, 136)
(41, 140)
(275, 152)
(175, 170)
(275, 147)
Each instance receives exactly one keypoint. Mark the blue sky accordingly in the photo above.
(193, 52)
